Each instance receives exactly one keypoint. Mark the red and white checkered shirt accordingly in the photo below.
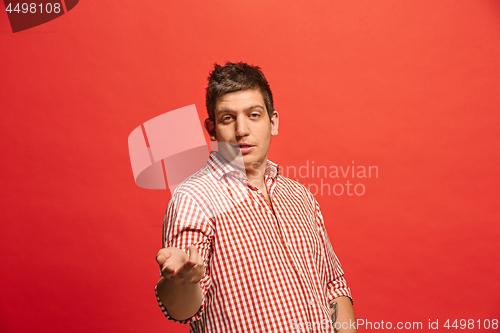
(269, 267)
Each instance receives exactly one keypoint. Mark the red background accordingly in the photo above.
(409, 86)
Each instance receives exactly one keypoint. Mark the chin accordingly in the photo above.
(251, 162)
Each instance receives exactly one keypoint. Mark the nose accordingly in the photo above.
(241, 127)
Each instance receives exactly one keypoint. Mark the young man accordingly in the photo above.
(246, 249)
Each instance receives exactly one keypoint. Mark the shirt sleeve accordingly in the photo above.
(186, 224)
(336, 285)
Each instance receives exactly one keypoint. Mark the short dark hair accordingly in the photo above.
(234, 77)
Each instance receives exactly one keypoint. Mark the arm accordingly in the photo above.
(342, 315)
(184, 280)
(179, 287)
(341, 310)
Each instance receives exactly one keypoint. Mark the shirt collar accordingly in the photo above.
(221, 167)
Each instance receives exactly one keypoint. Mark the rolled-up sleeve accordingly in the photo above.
(186, 224)
(336, 284)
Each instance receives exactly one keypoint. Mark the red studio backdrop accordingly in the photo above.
(407, 91)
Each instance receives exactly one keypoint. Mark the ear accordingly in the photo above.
(210, 127)
(274, 123)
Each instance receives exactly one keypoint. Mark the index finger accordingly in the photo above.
(189, 264)
(162, 256)
(193, 255)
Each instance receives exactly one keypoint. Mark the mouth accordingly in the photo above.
(244, 148)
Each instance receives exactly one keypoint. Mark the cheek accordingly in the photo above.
(264, 134)
(223, 133)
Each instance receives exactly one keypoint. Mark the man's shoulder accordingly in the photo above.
(200, 182)
(291, 183)
(292, 186)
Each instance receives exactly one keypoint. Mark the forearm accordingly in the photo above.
(342, 315)
(181, 300)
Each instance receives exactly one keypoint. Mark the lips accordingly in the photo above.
(245, 148)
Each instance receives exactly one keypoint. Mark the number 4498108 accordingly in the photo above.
(471, 324)
(34, 8)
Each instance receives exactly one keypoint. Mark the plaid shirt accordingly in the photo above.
(269, 267)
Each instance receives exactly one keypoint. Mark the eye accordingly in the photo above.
(255, 115)
(226, 119)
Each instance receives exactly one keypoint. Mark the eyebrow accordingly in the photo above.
(252, 107)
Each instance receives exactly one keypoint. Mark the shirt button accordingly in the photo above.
(311, 302)
(259, 191)
(288, 244)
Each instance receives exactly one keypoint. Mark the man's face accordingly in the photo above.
(241, 120)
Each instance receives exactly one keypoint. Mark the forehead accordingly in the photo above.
(241, 99)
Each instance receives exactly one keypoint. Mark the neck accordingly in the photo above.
(255, 173)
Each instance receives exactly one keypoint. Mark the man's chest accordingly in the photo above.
(253, 233)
